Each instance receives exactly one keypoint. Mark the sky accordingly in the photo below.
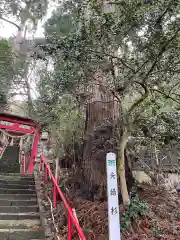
(7, 30)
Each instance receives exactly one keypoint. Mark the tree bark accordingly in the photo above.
(121, 168)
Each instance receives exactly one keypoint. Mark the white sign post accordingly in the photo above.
(112, 192)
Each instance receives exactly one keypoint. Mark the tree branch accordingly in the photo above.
(143, 64)
(140, 100)
(112, 56)
(164, 94)
(163, 49)
(8, 21)
(175, 85)
(159, 19)
(115, 95)
(166, 70)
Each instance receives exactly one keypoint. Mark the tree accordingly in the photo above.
(135, 47)
(6, 70)
(26, 15)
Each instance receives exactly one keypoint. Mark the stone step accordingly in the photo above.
(15, 186)
(16, 191)
(19, 216)
(10, 177)
(20, 234)
(12, 224)
(19, 209)
(10, 160)
(7, 202)
(30, 176)
(30, 197)
(16, 182)
(16, 174)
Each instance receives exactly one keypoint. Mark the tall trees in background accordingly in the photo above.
(24, 16)
(6, 71)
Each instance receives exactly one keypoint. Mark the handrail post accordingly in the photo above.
(69, 227)
(71, 219)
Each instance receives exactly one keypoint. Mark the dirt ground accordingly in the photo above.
(162, 221)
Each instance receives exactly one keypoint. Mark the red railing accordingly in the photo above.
(24, 162)
(71, 219)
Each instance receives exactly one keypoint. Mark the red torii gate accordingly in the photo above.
(18, 125)
(22, 125)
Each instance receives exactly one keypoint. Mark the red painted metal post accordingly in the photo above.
(68, 208)
(34, 151)
(69, 227)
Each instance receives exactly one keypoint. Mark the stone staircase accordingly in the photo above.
(19, 211)
(6, 163)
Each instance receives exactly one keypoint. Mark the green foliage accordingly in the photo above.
(133, 211)
(60, 25)
(62, 186)
(137, 38)
(6, 68)
(63, 118)
(144, 33)
(69, 117)
(22, 9)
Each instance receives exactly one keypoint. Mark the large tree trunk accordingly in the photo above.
(29, 99)
(97, 144)
(100, 140)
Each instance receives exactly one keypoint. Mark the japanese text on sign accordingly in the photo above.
(113, 205)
